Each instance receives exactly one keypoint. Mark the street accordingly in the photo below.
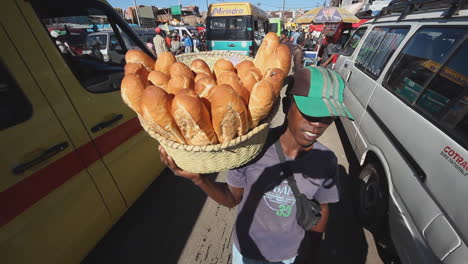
(174, 222)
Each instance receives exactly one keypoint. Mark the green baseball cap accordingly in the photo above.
(318, 92)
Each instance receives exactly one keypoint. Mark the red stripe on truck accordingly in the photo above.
(22, 195)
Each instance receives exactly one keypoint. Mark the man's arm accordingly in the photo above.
(297, 59)
(221, 192)
(322, 223)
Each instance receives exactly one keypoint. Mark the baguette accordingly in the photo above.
(159, 79)
(131, 90)
(199, 66)
(192, 118)
(178, 68)
(261, 101)
(164, 62)
(222, 65)
(275, 77)
(156, 108)
(229, 113)
(233, 80)
(179, 82)
(136, 56)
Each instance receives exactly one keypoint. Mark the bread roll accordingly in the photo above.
(193, 118)
(229, 113)
(131, 90)
(233, 80)
(249, 77)
(199, 66)
(179, 82)
(156, 109)
(179, 68)
(261, 101)
(204, 87)
(272, 54)
(136, 56)
(164, 62)
(275, 77)
(222, 65)
(159, 79)
(244, 66)
(200, 76)
(138, 69)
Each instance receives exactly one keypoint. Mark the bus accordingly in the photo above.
(236, 27)
(276, 25)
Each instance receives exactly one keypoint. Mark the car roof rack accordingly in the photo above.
(406, 7)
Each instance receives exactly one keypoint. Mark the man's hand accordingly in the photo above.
(170, 163)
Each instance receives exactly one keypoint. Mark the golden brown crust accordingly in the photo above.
(275, 77)
(138, 69)
(229, 113)
(159, 79)
(156, 109)
(250, 77)
(244, 66)
(131, 90)
(261, 101)
(193, 119)
(272, 54)
(233, 80)
(136, 56)
(199, 66)
(204, 87)
(179, 82)
(222, 65)
(164, 62)
(179, 68)
(200, 76)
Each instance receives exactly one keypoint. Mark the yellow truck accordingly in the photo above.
(74, 157)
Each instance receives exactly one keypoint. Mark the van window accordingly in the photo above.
(377, 49)
(353, 42)
(428, 80)
(15, 108)
(97, 60)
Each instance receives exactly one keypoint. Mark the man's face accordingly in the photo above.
(305, 129)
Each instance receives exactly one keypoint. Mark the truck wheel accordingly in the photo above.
(372, 202)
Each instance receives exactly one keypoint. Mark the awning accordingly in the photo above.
(356, 25)
(313, 27)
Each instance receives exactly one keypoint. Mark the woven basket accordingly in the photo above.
(219, 157)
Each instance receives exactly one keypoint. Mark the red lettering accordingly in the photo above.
(451, 153)
(460, 159)
(456, 156)
(446, 149)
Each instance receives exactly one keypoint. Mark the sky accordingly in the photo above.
(263, 4)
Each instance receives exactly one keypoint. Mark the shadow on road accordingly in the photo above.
(156, 228)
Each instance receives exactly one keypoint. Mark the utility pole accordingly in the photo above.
(137, 12)
(282, 14)
(207, 6)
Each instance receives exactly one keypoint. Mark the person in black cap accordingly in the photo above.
(266, 229)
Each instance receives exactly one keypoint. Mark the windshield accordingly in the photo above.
(100, 39)
(273, 27)
(230, 28)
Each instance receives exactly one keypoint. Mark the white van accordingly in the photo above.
(407, 74)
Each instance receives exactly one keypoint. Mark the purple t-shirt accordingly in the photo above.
(266, 227)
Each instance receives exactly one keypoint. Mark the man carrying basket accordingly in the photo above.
(293, 167)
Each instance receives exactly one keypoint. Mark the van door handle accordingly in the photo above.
(107, 123)
(231, 45)
(47, 154)
(349, 76)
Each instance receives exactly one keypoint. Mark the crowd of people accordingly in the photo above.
(176, 44)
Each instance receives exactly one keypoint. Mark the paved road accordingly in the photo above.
(173, 222)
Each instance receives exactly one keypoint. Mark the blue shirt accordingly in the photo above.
(294, 36)
(187, 41)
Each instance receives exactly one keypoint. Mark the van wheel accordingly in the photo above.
(372, 203)
(372, 210)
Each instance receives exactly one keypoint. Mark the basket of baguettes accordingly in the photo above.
(210, 111)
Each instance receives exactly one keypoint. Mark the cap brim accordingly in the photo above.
(316, 107)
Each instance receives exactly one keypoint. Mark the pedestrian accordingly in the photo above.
(266, 229)
(294, 37)
(150, 45)
(284, 39)
(298, 54)
(328, 50)
(159, 42)
(176, 46)
(196, 42)
(188, 43)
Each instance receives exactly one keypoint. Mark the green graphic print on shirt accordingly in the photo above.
(280, 199)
